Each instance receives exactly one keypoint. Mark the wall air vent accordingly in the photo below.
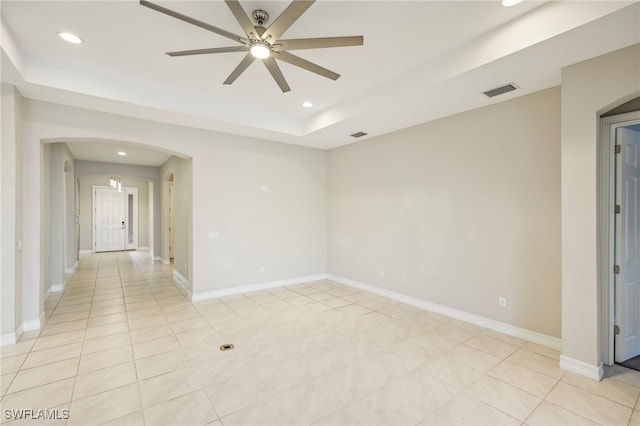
(500, 90)
(359, 135)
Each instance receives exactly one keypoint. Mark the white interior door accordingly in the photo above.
(627, 253)
(109, 219)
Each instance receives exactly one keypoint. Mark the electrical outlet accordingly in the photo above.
(261, 269)
(502, 302)
(404, 278)
(381, 274)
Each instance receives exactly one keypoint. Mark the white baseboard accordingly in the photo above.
(511, 330)
(56, 288)
(69, 271)
(595, 372)
(255, 287)
(85, 251)
(178, 276)
(35, 324)
(164, 261)
(8, 339)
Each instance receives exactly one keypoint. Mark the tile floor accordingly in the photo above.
(123, 346)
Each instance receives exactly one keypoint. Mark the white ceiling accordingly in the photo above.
(107, 151)
(421, 60)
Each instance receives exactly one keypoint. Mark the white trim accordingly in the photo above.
(35, 324)
(56, 288)
(80, 252)
(178, 276)
(69, 271)
(606, 221)
(595, 372)
(255, 287)
(8, 339)
(511, 330)
(46, 294)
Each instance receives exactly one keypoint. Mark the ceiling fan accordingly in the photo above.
(264, 43)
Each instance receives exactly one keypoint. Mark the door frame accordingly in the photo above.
(606, 226)
(126, 190)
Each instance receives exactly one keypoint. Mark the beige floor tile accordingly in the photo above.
(104, 343)
(156, 365)
(21, 347)
(107, 358)
(105, 406)
(506, 398)
(41, 397)
(147, 322)
(104, 379)
(589, 405)
(189, 324)
(608, 388)
(474, 358)
(11, 364)
(190, 409)
(528, 380)
(464, 410)
(47, 356)
(72, 316)
(264, 412)
(154, 347)
(5, 381)
(107, 319)
(167, 386)
(491, 345)
(58, 340)
(537, 362)
(106, 330)
(635, 418)
(63, 327)
(542, 350)
(133, 419)
(352, 415)
(151, 333)
(550, 414)
(37, 376)
(354, 309)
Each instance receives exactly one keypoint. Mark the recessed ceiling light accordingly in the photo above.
(122, 153)
(307, 104)
(71, 38)
(509, 3)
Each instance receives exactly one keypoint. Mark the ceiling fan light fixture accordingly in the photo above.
(260, 50)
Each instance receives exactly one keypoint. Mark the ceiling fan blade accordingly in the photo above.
(243, 65)
(207, 51)
(192, 21)
(319, 43)
(286, 19)
(242, 18)
(274, 69)
(309, 66)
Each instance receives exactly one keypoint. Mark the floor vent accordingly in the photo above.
(227, 347)
(500, 90)
(358, 135)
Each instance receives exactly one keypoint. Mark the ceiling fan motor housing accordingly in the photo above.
(260, 17)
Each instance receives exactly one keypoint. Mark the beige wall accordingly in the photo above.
(267, 200)
(182, 214)
(588, 89)
(10, 212)
(467, 207)
(86, 217)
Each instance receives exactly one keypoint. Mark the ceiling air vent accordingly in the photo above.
(359, 134)
(500, 90)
